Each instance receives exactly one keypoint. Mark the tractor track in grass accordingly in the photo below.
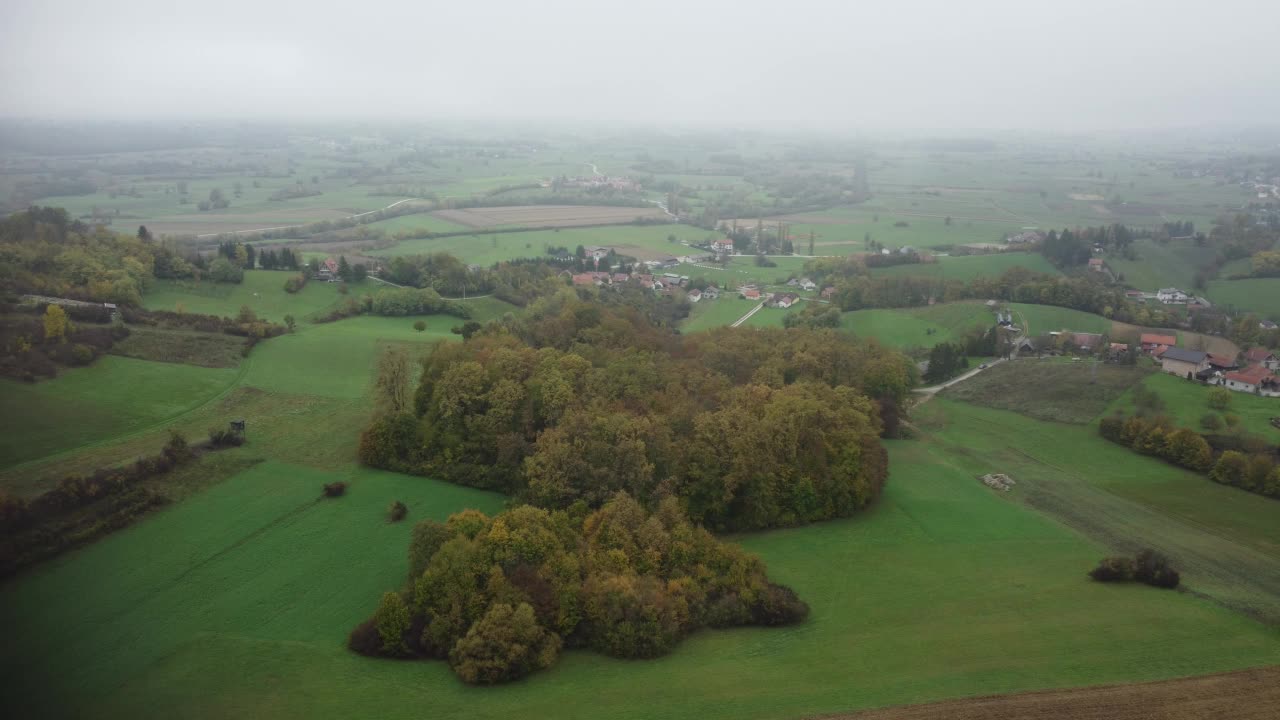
(1241, 695)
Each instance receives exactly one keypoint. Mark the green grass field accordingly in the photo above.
(1256, 295)
(114, 396)
(709, 314)
(944, 589)
(968, 267)
(643, 241)
(910, 327)
(1162, 265)
(262, 290)
(1186, 402)
(1055, 390)
(1041, 319)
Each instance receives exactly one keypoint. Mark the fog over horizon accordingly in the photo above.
(803, 65)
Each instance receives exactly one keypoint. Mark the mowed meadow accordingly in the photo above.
(237, 600)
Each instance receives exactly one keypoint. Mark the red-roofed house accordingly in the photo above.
(1263, 357)
(583, 279)
(1252, 379)
(751, 294)
(695, 295)
(783, 300)
(1222, 362)
(1151, 341)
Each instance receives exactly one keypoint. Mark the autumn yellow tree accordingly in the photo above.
(56, 324)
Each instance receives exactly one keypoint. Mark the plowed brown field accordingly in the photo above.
(1244, 695)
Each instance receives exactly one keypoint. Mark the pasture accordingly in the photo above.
(1256, 295)
(1041, 319)
(1173, 263)
(710, 314)
(644, 242)
(262, 291)
(967, 267)
(115, 396)
(1048, 389)
(1186, 402)
(919, 327)
(250, 587)
(548, 216)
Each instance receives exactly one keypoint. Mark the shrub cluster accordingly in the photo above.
(28, 353)
(397, 511)
(1156, 436)
(1148, 567)
(500, 597)
(225, 437)
(335, 489)
(49, 523)
(294, 283)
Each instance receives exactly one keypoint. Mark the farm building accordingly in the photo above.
(807, 284)
(1263, 357)
(1170, 296)
(1086, 341)
(1096, 264)
(1222, 362)
(695, 295)
(722, 247)
(1183, 363)
(828, 292)
(1151, 341)
(751, 294)
(1253, 379)
(783, 300)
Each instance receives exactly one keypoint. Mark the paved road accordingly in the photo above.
(959, 378)
(746, 317)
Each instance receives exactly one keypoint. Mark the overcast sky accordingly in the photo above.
(851, 65)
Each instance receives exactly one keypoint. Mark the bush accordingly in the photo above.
(506, 644)
(419, 325)
(1211, 422)
(1113, 569)
(81, 354)
(779, 605)
(365, 640)
(177, 449)
(1219, 398)
(396, 511)
(392, 622)
(335, 489)
(295, 283)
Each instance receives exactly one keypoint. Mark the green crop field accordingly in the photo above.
(968, 267)
(1056, 390)
(910, 327)
(1041, 319)
(262, 290)
(114, 396)
(1187, 402)
(1256, 295)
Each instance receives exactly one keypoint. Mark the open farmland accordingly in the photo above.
(537, 216)
(1256, 295)
(968, 267)
(1187, 402)
(1048, 389)
(223, 651)
(262, 291)
(919, 327)
(1041, 319)
(710, 314)
(644, 242)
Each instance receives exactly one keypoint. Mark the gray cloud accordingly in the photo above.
(799, 64)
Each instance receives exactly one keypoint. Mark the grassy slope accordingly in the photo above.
(944, 589)
(909, 327)
(710, 314)
(262, 290)
(1054, 390)
(112, 397)
(1171, 264)
(1258, 295)
(970, 266)
(1186, 402)
(1040, 319)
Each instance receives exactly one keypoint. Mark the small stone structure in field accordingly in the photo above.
(998, 481)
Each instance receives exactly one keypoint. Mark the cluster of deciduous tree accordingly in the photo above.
(1157, 436)
(814, 315)
(33, 345)
(439, 271)
(43, 251)
(498, 598)
(398, 302)
(1257, 472)
(750, 428)
(1148, 567)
